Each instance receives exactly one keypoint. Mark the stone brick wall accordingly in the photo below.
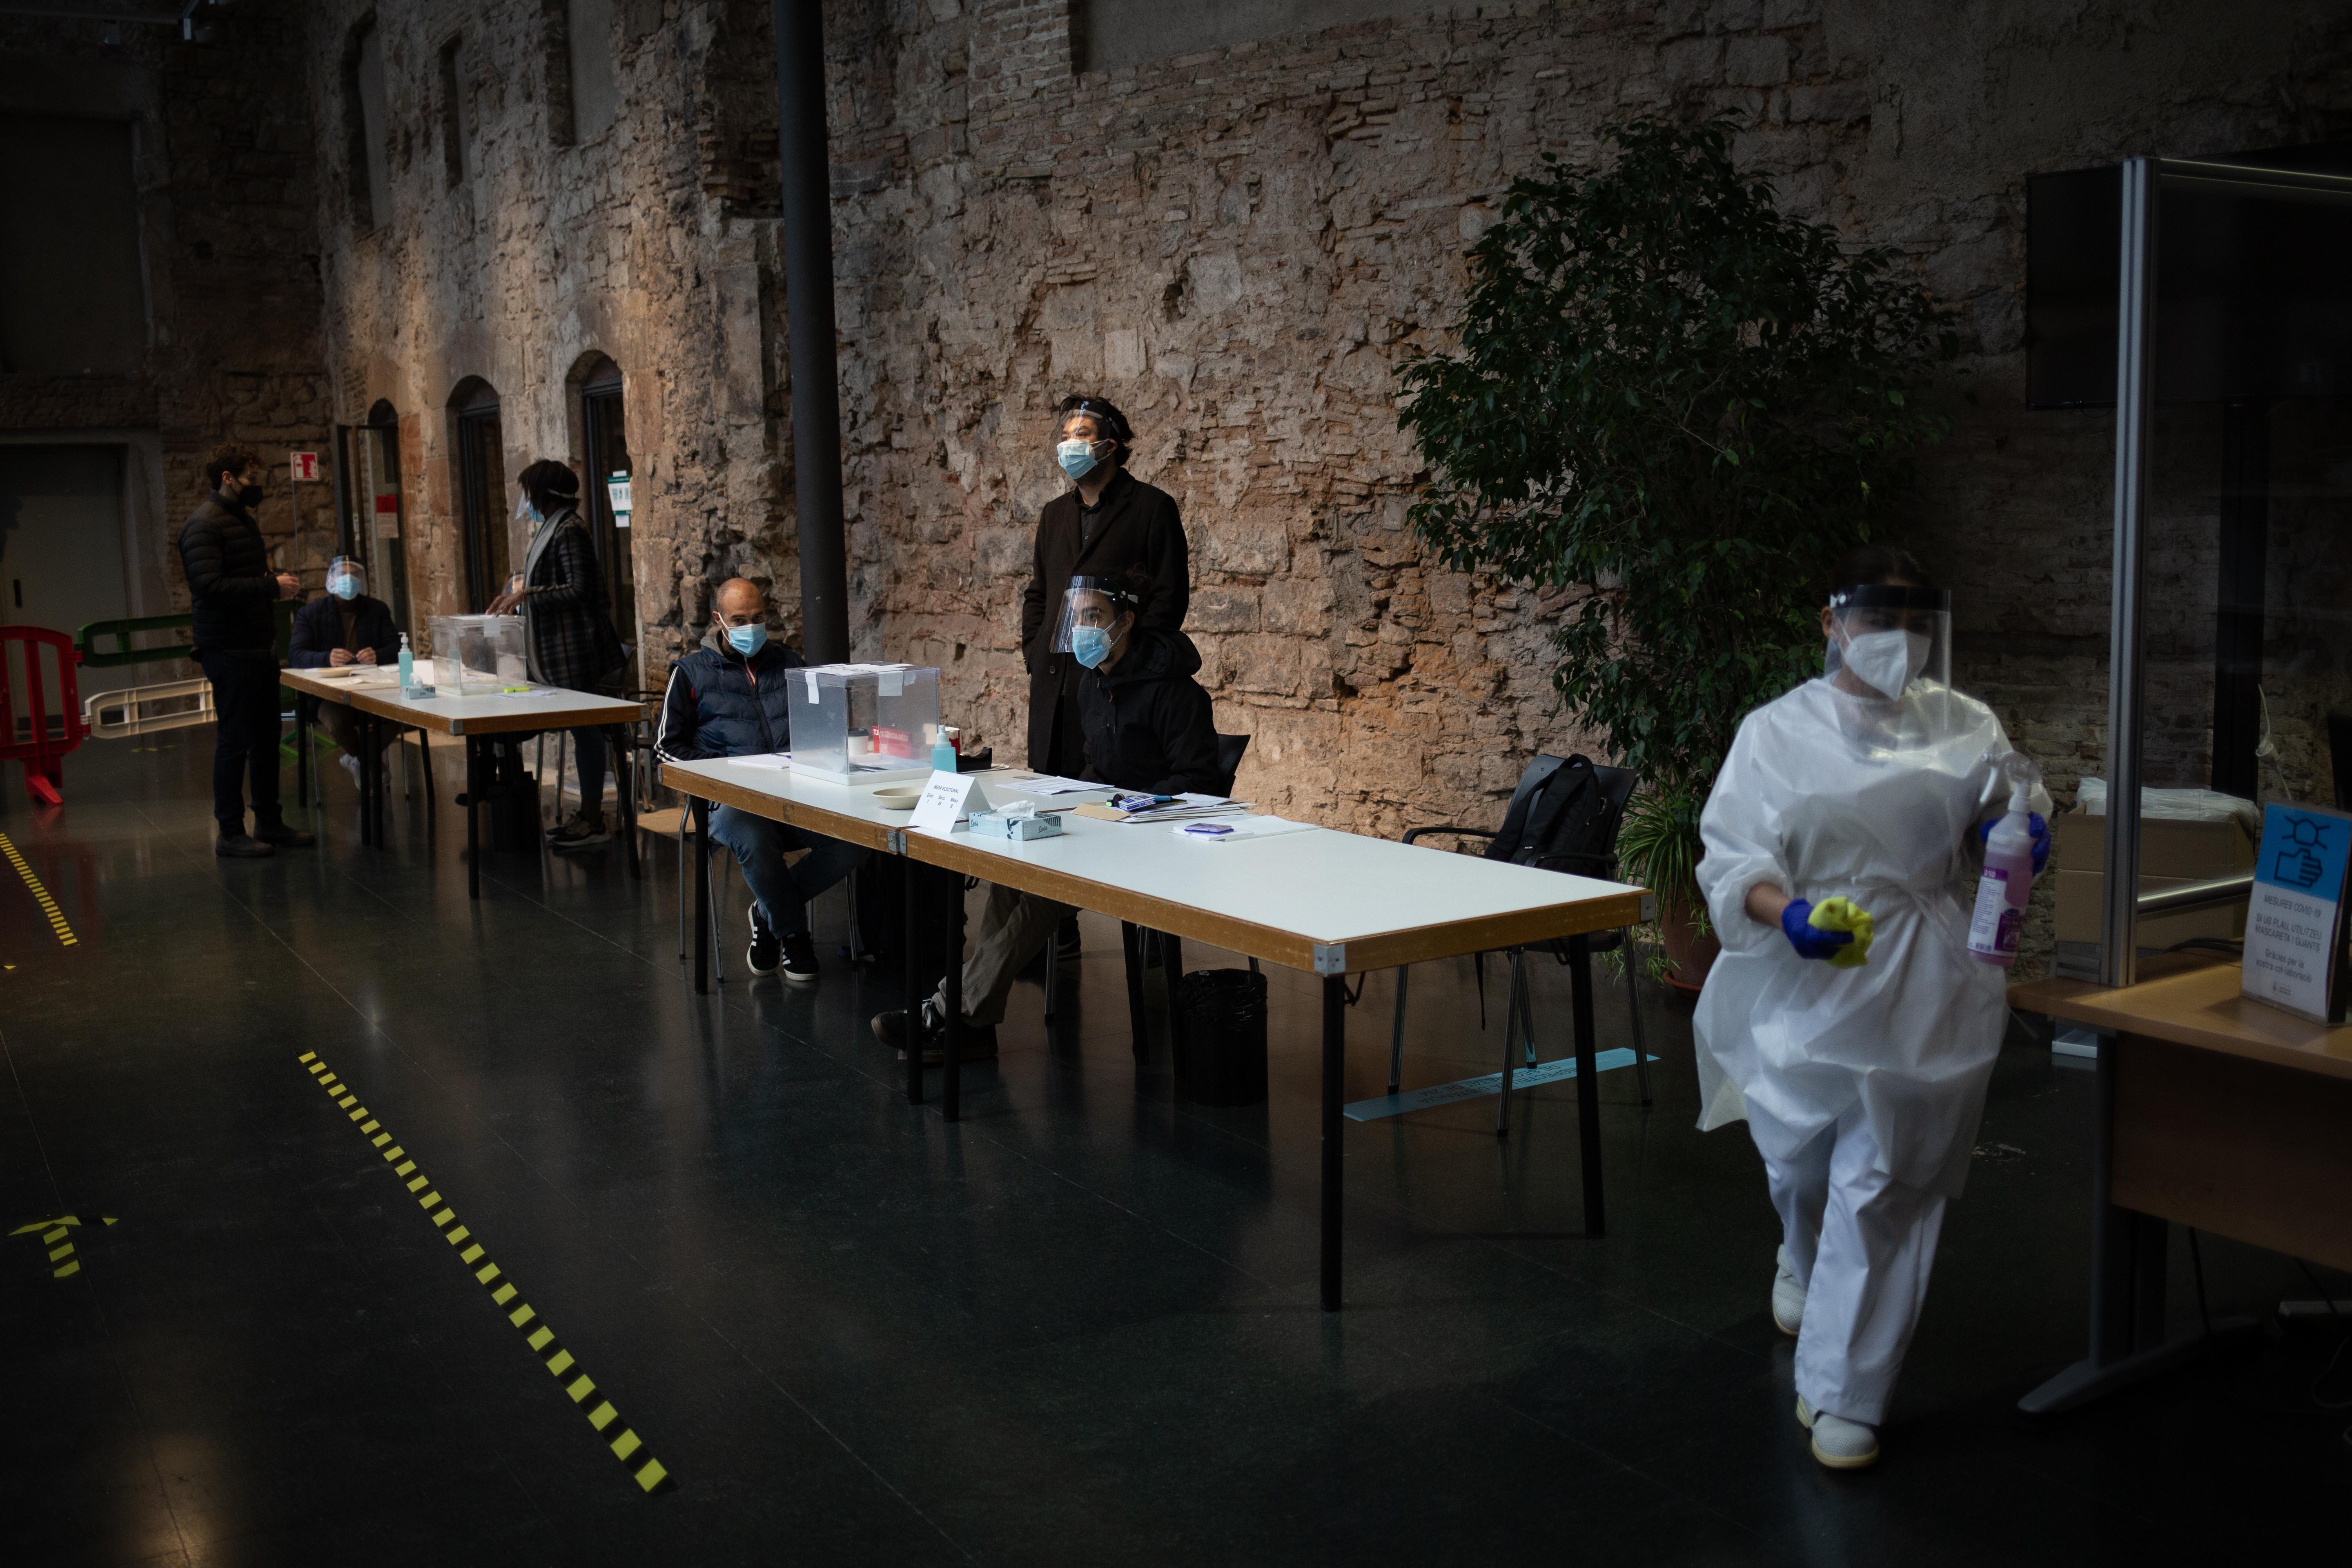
(221, 160)
(1238, 245)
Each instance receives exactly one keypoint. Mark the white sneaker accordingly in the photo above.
(351, 765)
(1838, 1443)
(1788, 1295)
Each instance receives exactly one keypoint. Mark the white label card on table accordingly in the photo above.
(946, 798)
(2295, 922)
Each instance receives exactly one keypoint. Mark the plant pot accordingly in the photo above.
(1691, 950)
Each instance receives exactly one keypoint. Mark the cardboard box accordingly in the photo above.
(2171, 854)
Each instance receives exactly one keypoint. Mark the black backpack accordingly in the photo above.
(1559, 820)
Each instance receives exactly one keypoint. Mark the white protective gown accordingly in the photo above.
(1823, 794)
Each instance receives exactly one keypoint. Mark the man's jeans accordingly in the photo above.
(783, 892)
(245, 706)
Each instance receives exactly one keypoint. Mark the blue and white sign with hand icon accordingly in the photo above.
(2294, 923)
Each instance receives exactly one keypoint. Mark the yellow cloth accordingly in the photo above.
(1845, 914)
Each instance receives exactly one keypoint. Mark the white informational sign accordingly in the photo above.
(618, 487)
(305, 467)
(387, 516)
(946, 799)
(2295, 935)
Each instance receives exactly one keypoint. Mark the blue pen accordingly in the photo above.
(1207, 829)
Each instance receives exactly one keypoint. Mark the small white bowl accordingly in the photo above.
(898, 797)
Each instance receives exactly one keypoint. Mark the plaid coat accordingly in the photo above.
(567, 628)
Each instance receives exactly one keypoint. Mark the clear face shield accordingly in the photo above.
(1885, 640)
(1086, 602)
(346, 578)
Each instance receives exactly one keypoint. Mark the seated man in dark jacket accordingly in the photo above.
(1148, 728)
(346, 627)
(730, 698)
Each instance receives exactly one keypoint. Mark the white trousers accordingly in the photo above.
(1864, 1245)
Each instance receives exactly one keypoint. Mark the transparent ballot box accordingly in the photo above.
(474, 654)
(864, 724)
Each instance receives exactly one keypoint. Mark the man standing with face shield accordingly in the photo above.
(1846, 1020)
(346, 627)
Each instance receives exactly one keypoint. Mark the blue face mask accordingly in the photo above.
(747, 640)
(1090, 645)
(1076, 457)
(344, 587)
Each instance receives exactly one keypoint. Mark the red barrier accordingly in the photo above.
(42, 754)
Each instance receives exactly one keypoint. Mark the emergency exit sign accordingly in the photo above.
(306, 468)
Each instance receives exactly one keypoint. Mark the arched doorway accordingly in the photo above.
(381, 545)
(604, 443)
(481, 474)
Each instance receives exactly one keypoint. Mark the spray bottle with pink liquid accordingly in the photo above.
(2007, 878)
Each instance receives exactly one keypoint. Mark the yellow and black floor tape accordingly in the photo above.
(57, 1236)
(40, 894)
(626, 1445)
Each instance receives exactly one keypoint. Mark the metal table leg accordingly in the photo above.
(363, 732)
(1172, 973)
(1335, 1041)
(1131, 946)
(910, 974)
(425, 766)
(701, 897)
(951, 1074)
(379, 776)
(302, 752)
(1587, 1082)
(473, 817)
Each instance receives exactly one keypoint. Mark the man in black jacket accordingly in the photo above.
(347, 627)
(1148, 728)
(232, 588)
(731, 698)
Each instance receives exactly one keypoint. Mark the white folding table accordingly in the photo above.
(1325, 902)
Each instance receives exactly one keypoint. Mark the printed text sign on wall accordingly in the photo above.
(305, 467)
(2295, 923)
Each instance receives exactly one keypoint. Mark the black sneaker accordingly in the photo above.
(1067, 944)
(800, 958)
(279, 836)
(765, 949)
(582, 833)
(979, 1042)
(241, 845)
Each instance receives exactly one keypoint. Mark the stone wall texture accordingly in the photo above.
(1237, 245)
(223, 155)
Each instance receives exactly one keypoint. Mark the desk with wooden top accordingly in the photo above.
(2214, 1112)
(1325, 902)
(476, 719)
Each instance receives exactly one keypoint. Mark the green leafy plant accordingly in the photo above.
(1680, 404)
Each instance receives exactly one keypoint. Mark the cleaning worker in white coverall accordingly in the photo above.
(1846, 1019)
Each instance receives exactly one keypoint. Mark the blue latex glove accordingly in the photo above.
(1810, 940)
(2041, 831)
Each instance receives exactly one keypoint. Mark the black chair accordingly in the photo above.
(1595, 858)
(1140, 944)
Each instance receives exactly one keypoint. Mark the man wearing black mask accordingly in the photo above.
(232, 589)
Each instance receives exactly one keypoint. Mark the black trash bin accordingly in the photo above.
(1221, 1049)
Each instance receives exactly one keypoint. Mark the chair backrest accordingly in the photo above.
(1564, 816)
(1230, 748)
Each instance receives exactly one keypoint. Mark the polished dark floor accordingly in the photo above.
(1079, 1327)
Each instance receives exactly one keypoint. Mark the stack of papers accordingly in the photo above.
(1048, 785)
(1238, 828)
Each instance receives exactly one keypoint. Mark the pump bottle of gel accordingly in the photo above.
(2007, 878)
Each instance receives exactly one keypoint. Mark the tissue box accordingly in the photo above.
(864, 724)
(998, 824)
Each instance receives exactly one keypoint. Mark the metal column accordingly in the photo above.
(2134, 399)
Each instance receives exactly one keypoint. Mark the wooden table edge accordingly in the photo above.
(849, 830)
(2082, 1002)
(311, 685)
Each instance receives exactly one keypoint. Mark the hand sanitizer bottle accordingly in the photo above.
(2007, 878)
(407, 667)
(943, 752)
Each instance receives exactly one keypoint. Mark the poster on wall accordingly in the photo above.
(2295, 923)
(618, 487)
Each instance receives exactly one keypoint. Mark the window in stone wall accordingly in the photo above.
(456, 115)
(368, 169)
(588, 60)
(73, 298)
(1105, 35)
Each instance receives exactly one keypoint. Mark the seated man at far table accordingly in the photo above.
(1148, 730)
(347, 628)
(731, 698)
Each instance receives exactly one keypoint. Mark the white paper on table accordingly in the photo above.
(1048, 785)
(765, 760)
(945, 800)
(1241, 827)
(1189, 805)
